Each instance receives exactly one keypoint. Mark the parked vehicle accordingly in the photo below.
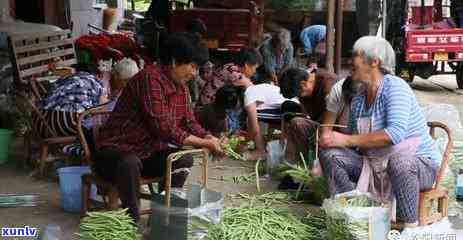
(231, 25)
(433, 43)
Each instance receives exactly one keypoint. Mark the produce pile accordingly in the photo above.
(349, 218)
(260, 222)
(108, 226)
(267, 199)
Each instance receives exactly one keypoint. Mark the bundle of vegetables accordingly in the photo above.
(350, 218)
(15, 200)
(231, 145)
(108, 225)
(316, 221)
(302, 175)
(253, 222)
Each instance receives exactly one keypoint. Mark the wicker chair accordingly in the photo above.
(108, 189)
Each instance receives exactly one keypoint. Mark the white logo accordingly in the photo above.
(394, 235)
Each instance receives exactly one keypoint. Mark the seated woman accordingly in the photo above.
(151, 120)
(68, 97)
(262, 102)
(215, 117)
(122, 72)
(311, 90)
(244, 64)
(385, 114)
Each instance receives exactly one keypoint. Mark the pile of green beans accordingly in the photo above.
(260, 222)
(341, 229)
(341, 226)
(362, 201)
(316, 221)
(268, 199)
(110, 225)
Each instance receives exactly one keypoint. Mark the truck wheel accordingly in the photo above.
(407, 74)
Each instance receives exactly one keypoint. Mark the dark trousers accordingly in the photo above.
(125, 170)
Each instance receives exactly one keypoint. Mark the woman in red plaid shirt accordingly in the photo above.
(151, 120)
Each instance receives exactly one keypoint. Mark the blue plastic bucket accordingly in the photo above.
(70, 184)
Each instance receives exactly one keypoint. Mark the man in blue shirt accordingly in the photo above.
(312, 36)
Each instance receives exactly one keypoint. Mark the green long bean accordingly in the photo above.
(108, 226)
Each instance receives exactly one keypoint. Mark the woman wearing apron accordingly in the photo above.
(385, 115)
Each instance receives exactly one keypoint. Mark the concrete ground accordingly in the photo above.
(438, 89)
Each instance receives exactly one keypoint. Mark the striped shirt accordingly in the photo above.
(396, 110)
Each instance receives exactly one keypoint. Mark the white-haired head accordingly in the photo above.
(126, 68)
(376, 48)
(282, 38)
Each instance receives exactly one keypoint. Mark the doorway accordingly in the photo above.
(30, 10)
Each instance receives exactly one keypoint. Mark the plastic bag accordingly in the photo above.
(446, 114)
(346, 221)
(52, 232)
(189, 216)
(275, 154)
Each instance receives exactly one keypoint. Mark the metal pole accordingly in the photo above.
(339, 30)
(330, 35)
(384, 19)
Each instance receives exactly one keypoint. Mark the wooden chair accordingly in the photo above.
(46, 138)
(33, 53)
(437, 193)
(108, 189)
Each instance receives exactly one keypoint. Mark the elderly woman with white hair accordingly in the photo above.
(385, 115)
(277, 52)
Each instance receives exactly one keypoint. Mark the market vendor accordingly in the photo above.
(261, 103)
(151, 120)
(277, 52)
(386, 114)
(311, 91)
(313, 41)
(244, 64)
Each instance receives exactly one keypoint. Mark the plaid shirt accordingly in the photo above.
(151, 114)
